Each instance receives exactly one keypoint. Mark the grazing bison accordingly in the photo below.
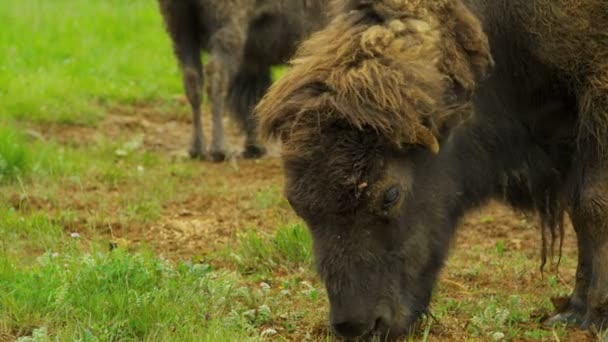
(244, 38)
(402, 115)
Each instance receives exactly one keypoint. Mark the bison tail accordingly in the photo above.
(245, 91)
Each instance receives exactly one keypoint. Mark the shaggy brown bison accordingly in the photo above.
(244, 38)
(396, 120)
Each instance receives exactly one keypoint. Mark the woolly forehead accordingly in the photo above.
(383, 77)
(389, 72)
(332, 178)
(401, 67)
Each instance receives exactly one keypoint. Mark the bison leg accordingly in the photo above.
(576, 310)
(193, 84)
(247, 88)
(591, 212)
(183, 28)
(226, 54)
(216, 91)
(591, 208)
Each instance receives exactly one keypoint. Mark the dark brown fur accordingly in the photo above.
(388, 76)
(243, 38)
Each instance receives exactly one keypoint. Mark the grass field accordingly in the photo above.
(109, 234)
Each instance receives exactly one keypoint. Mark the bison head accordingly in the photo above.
(361, 115)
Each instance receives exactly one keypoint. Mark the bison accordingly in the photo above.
(244, 38)
(401, 116)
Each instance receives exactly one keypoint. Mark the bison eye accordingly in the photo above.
(391, 196)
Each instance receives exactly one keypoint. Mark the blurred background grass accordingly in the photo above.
(64, 60)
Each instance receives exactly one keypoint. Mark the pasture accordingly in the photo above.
(109, 232)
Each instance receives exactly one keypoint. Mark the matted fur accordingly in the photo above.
(579, 48)
(403, 68)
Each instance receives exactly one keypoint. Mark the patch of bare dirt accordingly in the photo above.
(161, 130)
(210, 219)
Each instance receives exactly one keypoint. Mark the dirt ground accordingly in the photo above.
(206, 221)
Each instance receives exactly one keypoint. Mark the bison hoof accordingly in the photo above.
(218, 156)
(598, 322)
(569, 310)
(254, 152)
(199, 154)
(568, 317)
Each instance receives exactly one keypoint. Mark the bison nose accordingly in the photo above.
(351, 329)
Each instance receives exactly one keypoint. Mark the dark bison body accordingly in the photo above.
(402, 115)
(243, 38)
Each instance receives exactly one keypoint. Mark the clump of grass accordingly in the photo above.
(492, 320)
(290, 247)
(293, 244)
(501, 317)
(14, 155)
(34, 233)
(122, 296)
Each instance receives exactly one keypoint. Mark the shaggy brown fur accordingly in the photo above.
(244, 38)
(399, 76)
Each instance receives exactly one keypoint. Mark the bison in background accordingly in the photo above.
(402, 115)
(244, 38)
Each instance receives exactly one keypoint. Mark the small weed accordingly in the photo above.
(487, 219)
(268, 197)
(254, 253)
(38, 335)
(538, 334)
(294, 244)
(492, 319)
(553, 281)
(14, 156)
(500, 248)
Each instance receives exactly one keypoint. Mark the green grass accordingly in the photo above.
(65, 60)
(14, 156)
(122, 296)
(34, 232)
(289, 249)
(23, 158)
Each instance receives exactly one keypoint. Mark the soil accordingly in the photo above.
(206, 221)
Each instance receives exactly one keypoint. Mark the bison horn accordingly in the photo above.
(428, 140)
